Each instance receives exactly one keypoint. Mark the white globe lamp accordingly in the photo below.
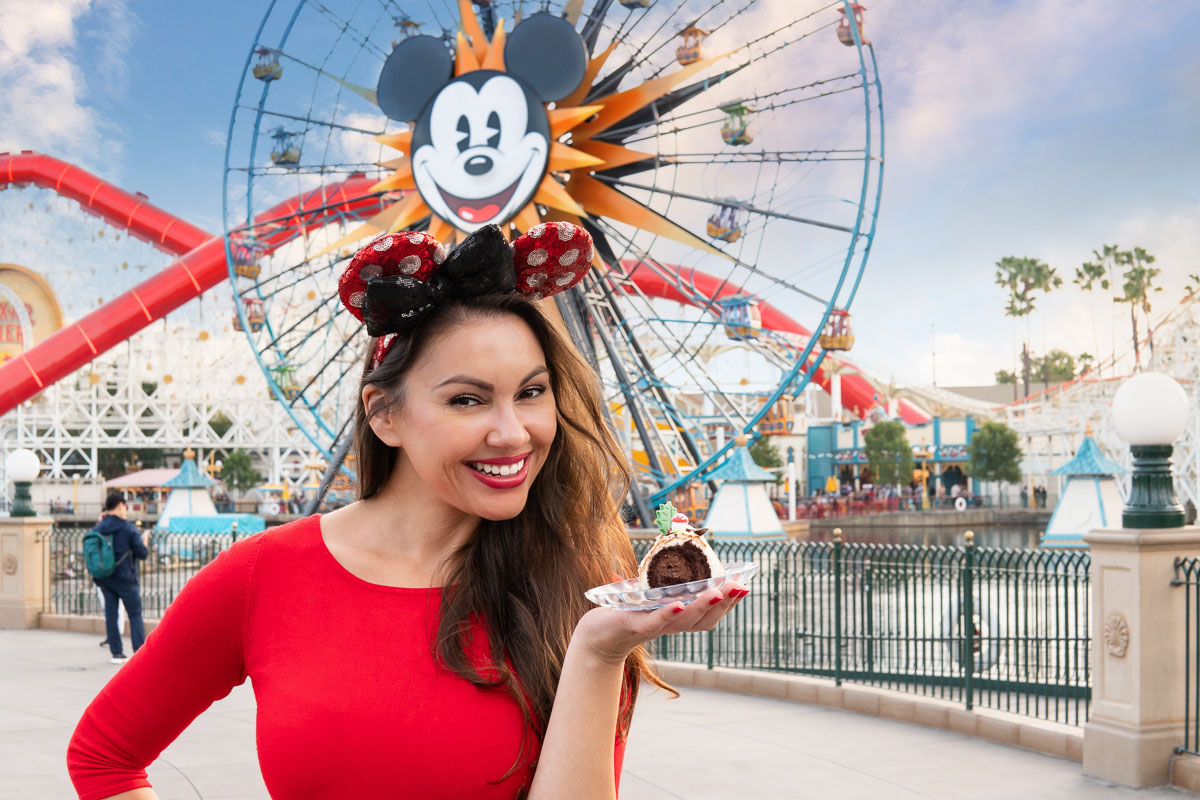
(22, 467)
(1150, 411)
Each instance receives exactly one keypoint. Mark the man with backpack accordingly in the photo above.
(109, 551)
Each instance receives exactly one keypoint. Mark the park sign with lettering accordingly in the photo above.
(28, 309)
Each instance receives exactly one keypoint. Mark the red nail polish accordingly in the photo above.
(714, 601)
(677, 610)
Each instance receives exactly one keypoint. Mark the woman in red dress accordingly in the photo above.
(431, 639)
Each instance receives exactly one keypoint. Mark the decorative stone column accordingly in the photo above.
(24, 570)
(1138, 699)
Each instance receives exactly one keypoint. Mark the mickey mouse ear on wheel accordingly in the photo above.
(551, 258)
(412, 76)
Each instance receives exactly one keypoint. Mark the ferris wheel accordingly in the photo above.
(725, 155)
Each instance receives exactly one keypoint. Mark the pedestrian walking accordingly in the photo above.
(121, 587)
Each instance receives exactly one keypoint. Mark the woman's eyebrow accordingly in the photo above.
(484, 385)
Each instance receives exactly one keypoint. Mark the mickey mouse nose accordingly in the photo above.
(478, 165)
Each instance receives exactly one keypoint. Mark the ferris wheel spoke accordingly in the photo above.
(310, 120)
(717, 120)
(751, 209)
(303, 319)
(345, 26)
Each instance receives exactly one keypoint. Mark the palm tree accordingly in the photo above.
(1139, 283)
(1191, 287)
(1088, 275)
(1023, 277)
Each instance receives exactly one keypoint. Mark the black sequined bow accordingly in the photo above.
(481, 264)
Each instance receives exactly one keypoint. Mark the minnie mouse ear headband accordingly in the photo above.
(393, 283)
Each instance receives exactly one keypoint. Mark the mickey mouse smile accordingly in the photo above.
(480, 209)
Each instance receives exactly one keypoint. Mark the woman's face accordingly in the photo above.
(477, 417)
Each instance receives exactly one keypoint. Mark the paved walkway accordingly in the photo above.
(705, 745)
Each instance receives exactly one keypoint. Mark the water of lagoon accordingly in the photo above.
(1018, 536)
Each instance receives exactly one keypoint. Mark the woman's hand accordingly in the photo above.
(610, 635)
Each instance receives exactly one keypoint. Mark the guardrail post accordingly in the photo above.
(868, 591)
(837, 606)
(967, 659)
(24, 570)
(1138, 663)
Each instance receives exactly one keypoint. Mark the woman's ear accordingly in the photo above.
(384, 423)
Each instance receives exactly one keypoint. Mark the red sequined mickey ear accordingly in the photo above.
(412, 253)
(551, 258)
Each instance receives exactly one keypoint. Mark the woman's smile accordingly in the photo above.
(502, 473)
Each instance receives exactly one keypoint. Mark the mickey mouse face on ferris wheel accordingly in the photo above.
(481, 140)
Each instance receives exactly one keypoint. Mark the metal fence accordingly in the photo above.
(1187, 575)
(174, 557)
(895, 616)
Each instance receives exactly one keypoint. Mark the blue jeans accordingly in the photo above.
(128, 594)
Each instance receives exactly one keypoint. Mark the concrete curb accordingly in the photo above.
(1050, 738)
(83, 623)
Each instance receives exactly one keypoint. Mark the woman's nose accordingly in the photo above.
(508, 428)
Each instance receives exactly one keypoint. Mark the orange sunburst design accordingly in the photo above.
(568, 190)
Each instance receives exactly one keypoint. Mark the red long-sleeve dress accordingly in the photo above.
(350, 700)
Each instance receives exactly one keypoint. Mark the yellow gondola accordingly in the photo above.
(245, 259)
(636, 3)
(845, 33)
(255, 317)
(267, 68)
(725, 223)
(285, 152)
(741, 318)
(780, 417)
(689, 52)
(837, 334)
(736, 130)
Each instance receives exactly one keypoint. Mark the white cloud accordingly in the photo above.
(962, 75)
(47, 103)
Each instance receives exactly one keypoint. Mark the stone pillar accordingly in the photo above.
(1138, 699)
(24, 570)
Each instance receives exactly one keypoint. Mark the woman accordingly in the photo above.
(431, 639)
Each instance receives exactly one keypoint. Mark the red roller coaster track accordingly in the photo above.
(202, 265)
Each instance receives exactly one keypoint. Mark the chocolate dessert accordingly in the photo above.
(679, 554)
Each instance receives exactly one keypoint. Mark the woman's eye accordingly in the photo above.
(533, 391)
(464, 401)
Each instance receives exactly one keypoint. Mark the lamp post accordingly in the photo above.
(22, 467)
(1150, 411)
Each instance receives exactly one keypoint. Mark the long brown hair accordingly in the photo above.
(525, 577)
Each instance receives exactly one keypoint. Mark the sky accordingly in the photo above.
(1042, 129)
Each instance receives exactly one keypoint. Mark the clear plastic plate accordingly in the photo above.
(628, 596)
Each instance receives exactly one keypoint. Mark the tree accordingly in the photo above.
(766, 455)
(1139, 283)
(121, 461)
(1095, 272)
(1057, 366)
(1004, 377)
(220, 424)
(1085, 361)
(1023, 277)
(888, 453)
(238, 472)
(1191, 287)
(994, 453)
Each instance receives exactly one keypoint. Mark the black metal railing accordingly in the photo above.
(174, 558)
(896, 616)
(1187, 575)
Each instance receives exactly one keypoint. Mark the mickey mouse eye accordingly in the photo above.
(464, 133)
(493, 127)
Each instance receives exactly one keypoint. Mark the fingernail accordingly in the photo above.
(677, 609)
(741, 592)
(714, 601)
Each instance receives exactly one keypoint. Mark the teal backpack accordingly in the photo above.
(98, 554)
